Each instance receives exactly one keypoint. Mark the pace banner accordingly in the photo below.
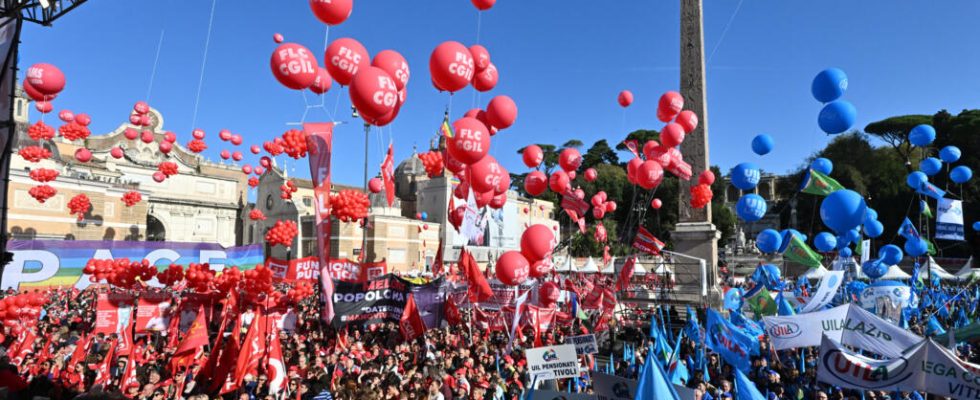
(847, 324)
(372, 302)
(59, 263)
(829, 285)
(949, 220)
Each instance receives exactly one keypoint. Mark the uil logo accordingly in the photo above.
(550, 355)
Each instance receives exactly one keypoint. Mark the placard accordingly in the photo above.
(552, 362)
(584, 344)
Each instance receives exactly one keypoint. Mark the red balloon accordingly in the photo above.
(236, 155)
(265, 161)
(373, 93)
(649, 174)
(484, 199)
(486, 79)
(570, 159)
(631, 168)
(82, 119)
(394, 64)
(706, 177)
(540, 268)
(671, 103)
(532, 155)
(323, 81)
(332, 12)
(451, 66)
(483, 5)
(224, 135)
(512, 268)
(625, 98)
(649, 148)
(558, 182)
(198, 134)
(66, 115)
(247, 169)
(166, 147)
(34, 94)
(83, 155)
(294, 66)
(169, 136)
(46, 79)
(116, 152)
(656, 203)
(375, 185)
(481, 57)
(591, 175)
(277, 37)
(501, 112)
(471, 142)
(688, 120)
(344, 58)
(225, 154)
(159, 177)
(44, 107)
(485, 174)
(672, 135)
(503, 183)
(259, 170)
(131, 133)
(255, 149)
(537, 242)
(610, 206)
(498, 201)
(147, 136)
(535, 183)
(579, 193)
(141, 107)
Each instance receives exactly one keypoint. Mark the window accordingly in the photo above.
(396, 256)
(308, 231)
(308, 201)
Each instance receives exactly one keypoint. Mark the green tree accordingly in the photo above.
(641, 136)
(599, 153)
(895, 132)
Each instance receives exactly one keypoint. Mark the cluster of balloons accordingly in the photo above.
(701, 193)
(453, 66)
(34, 154)
(349, 205)
(294, 143)
(172, 274)
(40, 131)
(253, 181)
(432, 162)
(533, 260)
(888, 255)
(131, 197)
(256, 215)
(42, 193)
(43, 175)
(282, 233)
(228, 280)
(301, 291)
(287, 189)
(74, 131)
(42, 84)
(923, 136)
(837, 116)
(258, 281)
(196, 145)
(79, 205)
(600, 204)
(199, 277)
(23, 307)
(120, 272)
(165, 170)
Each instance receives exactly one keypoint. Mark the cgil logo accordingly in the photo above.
(785, 330)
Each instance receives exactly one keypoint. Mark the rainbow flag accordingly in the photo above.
(447, 130)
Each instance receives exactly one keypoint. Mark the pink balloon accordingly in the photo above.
(535, 183)
(224, 135)
(236, 139)
(259, 170)
(610, 206)
(44, 107)
(255, 149)
(116, 152)
(571, 175)
(483, 5)
(706, 177)
(145, 120)
(656, 204)
(649, 174)
(66, 115)
(159, 177)
(569, 159)
(323, 81)
(532, 156)
(135, 119)
(481, 57)
(485, 175)
(540, 268)
(501, 112)
(34, 94)
(471, 142)
(265, 161)
(83, 119)
(46, 78)
(537, 242)
(344, 58)
(671, 103)
(247, 169)
(451, 66)
(166, 147)
(486, 79)
(225, 154)
(236, 155)
(147, 136)
(579, 193)
(688, 120)
(170, 136)
(373, 93)
(548, 294)
(83, 155)
(625, 98)
(672, 135)
(558, 182)
(591, 175)
(649, 148)
(599, 212)
(131, 133)
(498, 201)
(198, 134)
(503, 183)
(512, 268)
(484, 199)
(394, 64)
(294, 66)
(390, 116)
(277, 37)
(332, 12)
(375, 185)
(631, 168)
(141, 107)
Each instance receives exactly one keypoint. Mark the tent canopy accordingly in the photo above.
(610, 267)
(565, 265)
(936, 270)
(816, 273)
(590, 267)
(639, 269)
(967, 271)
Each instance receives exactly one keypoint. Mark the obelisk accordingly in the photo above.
(694, 233)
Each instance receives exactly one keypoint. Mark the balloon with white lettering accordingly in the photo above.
(46, 79)
(294, 66)
(373, 93)
(481, 57)
(451, 66)
(513, 268)
(485, 174)
(394, 64)
(470, 142)
(332, 12)
(344, 57)
(569, 159)
(486, 79)
(323, 81)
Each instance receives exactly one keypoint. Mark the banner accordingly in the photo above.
(552, 362)
(540, 394)
(372, 302)
(319, 143)
(584, 344)
(308, 268)
(112, 313)
(949, 221)
(59, 263)
(926, 367)
(825, 292)
(352, 271)
(430, 299)
(153, 312)
(504, 295)
(612, 387)
(646, 242)
(897, 292)
(847, 324)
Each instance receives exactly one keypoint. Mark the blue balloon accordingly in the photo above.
(845, 252)
(768, 241)
(795, 233)
(733, 299)
(762, 144)
(822, 165)
(930, 166)
(976, 226)
(961, 174)
(825, 241)
(853, 236)
(915, 179)
(425, 215)
(874, 269)
(870, 215)
(950, 154)
(837, 117)
(745, 176)
(873, 228)
(829, 85)
(856, 287)
(916, 247)
(922, 135)
(843, 210)
(751, 207)
(890, 254)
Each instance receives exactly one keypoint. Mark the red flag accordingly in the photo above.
(223, 377)
(81, 349)
(174, 329)
(646, 242)
(275, 367)
(479, 289)
(196, 337)
(102, 375)
(129, 376)
(125, 347)
(411, 325)
(319, 143)
(452, 313)
(437, 263)
(623, 282)
(253, 349)
(24, 346)
(388, 174)
(633, 146)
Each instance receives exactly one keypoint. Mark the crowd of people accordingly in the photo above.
(447, 363)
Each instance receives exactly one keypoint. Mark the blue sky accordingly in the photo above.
(563, 62)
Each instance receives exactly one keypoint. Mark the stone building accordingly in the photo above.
(200, 204)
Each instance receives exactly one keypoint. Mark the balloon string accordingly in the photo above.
(336, 104)
(204, 61)
(479, 23)
(156, 61)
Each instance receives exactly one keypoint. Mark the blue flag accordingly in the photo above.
(745, 389)
(654, 384)
(752, 328)
(907, 230)
(693, 329)
(734, 345)
(324, 395)
(931, 190)
(934, 328)
(784, 308)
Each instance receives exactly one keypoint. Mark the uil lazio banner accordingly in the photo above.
(734, 345)
(59, 263)
(949, 221)
(847, 324)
